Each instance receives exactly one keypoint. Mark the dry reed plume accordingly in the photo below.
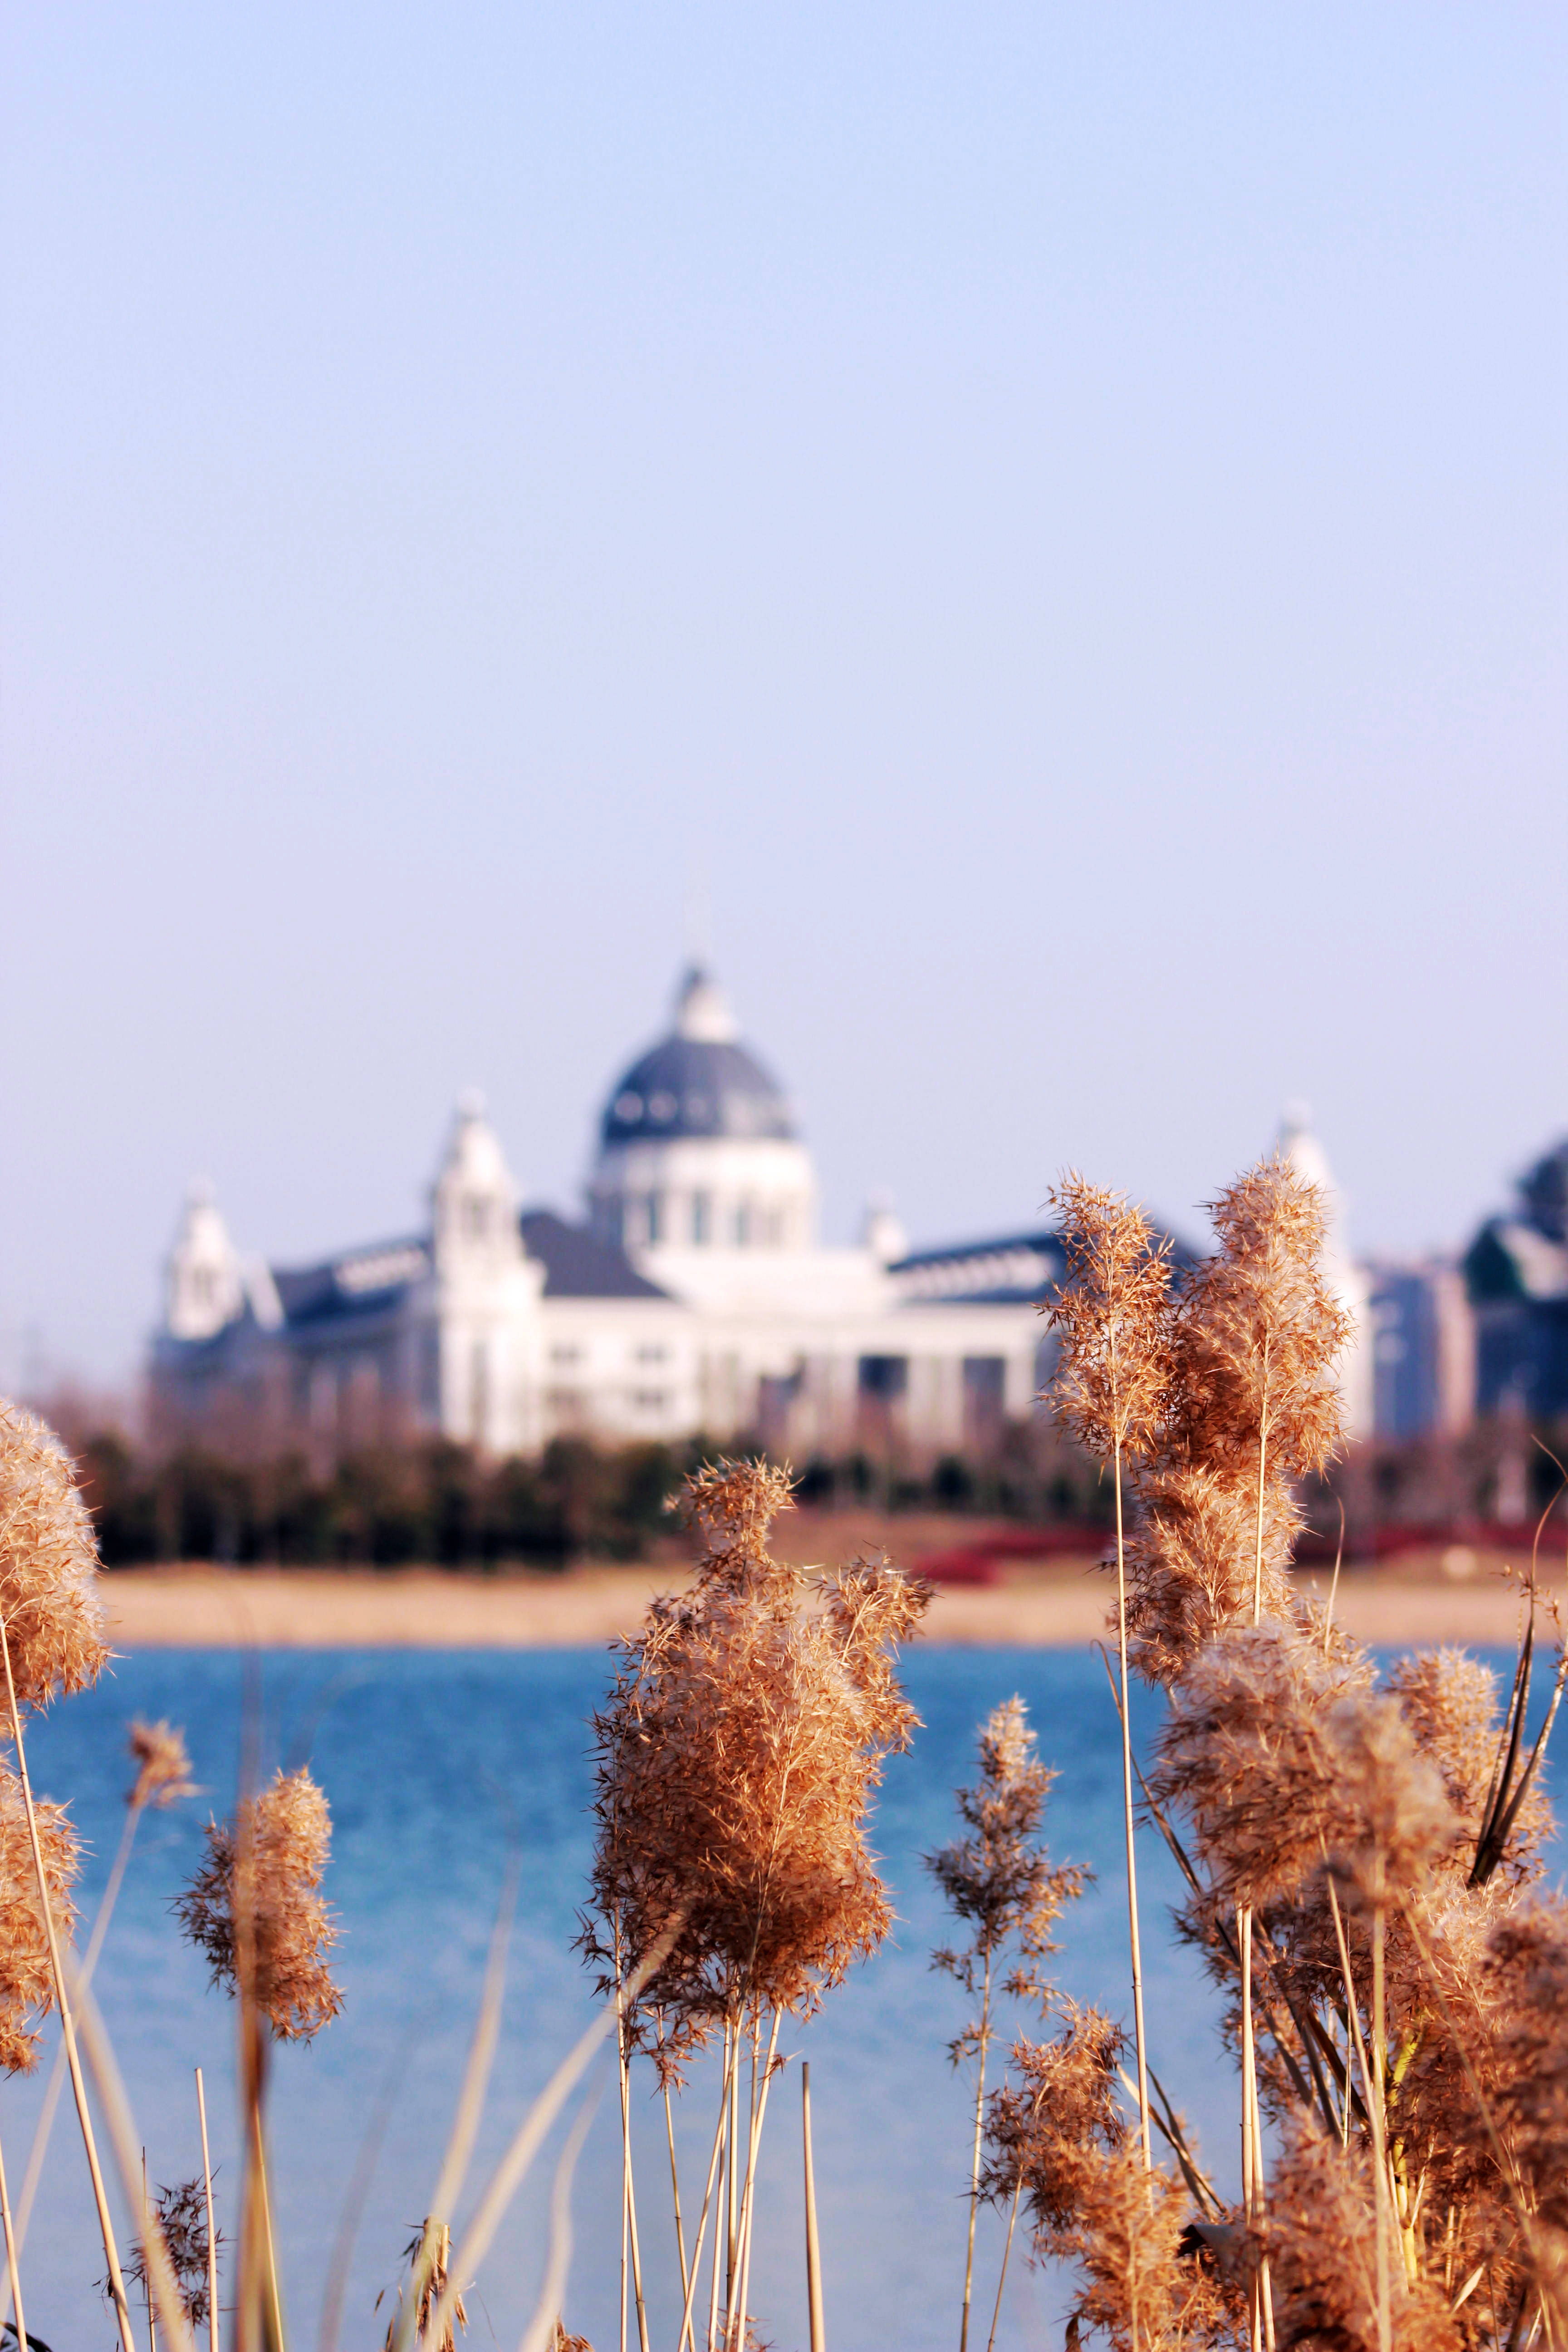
(179, 2214)
(737, 1755)
(256, 1912)
(26, 1977)
(1112, 1390)
(1361, 1861)
(162, 1767)
(999, 1881)
(49, 1602)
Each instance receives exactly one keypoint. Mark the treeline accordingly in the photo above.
(441, 1503)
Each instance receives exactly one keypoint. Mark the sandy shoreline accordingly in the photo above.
(1053, 1608)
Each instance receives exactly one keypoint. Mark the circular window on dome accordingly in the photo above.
(628, 1106)
(661, 1107)
(698, 1109)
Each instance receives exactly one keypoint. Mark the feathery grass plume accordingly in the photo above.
(737, 1754)
(1001, 1884)
(1321, 2233)
(1249, 1755)
(736, 1758)
(1253, 1403)
(179, 2213)
(26, 1977)
(255, 1906)
(565, 2343)
(50, 1600)
(1056, 2140)
(162, 1765)
(52, 1641)
(1529, 1964)
(1113, 1312)
(1393, 1820)
(1111, 1389)
(1260, 1332)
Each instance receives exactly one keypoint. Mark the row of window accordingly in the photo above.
(569, 1352)
(649, 1219)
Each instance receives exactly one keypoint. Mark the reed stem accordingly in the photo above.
(713, 2158)
(631, 2198)
(748, 2204)
(56, 2083)
(813, 2247)
(1006, 2251)
(212, 2233)
(974, 2163)
(1145, 2133)
(13, 2273)
(1380, 2133)
(67, 2023)
(675, 2198)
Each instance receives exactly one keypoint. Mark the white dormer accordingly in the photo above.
(489, 1350)
(204, 1287)
(473, 1200)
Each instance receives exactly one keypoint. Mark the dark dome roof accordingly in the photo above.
(697, 1081)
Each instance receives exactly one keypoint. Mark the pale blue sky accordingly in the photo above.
(1058, 509)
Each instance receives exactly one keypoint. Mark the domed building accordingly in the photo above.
(697, 1147)
(697, 1295)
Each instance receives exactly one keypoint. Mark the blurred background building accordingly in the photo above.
(696, 1296)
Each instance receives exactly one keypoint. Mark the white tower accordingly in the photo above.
(487, 1291)
(1350, 1288)
(203, 1288)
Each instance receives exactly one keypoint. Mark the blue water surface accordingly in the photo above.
(432, 1762)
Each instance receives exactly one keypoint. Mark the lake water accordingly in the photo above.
(427, 1759)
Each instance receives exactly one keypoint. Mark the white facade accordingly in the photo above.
(697, 1298)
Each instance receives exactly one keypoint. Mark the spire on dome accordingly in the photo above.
(702, 1010)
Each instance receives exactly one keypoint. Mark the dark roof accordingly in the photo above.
(579, 1264)
(1012, 1269)
(357, 1283)
(1009, 1270)
(696, 1087)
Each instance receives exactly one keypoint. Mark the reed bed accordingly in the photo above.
(1362, 1856)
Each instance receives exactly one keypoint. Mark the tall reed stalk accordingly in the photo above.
(1114, 1317)
(68, 2022)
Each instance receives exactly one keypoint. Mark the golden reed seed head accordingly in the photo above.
(1114, 1314)
(1321, 2236)
(1056, 2136)
(162, 1767)
(26, 1981)
(1260, 1333)
(49, 1599)
(998, 1880)
(737, 1753)
(1282, 1760)
(256, 1911)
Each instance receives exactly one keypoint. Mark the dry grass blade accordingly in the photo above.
(508, 2174)
(471, 2102)
(127, 2145)
(545, 2321)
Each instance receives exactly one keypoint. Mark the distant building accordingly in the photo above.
(1423, 1349)
(1516, 1271)
(697, 1295)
